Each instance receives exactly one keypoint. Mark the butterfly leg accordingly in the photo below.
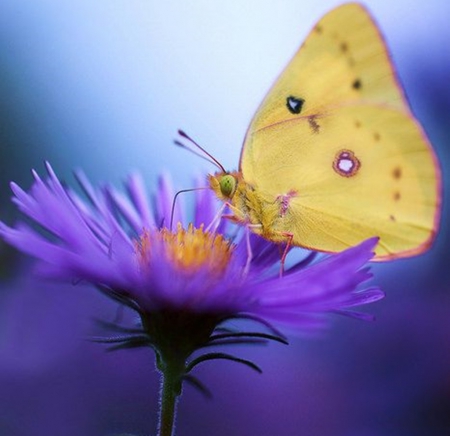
(235, 216)
(212, 227)
(248, 228)
(289, 237)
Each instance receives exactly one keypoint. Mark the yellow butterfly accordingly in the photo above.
(334, 155)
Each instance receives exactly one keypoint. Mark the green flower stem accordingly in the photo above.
(174, 337)
(171, 376)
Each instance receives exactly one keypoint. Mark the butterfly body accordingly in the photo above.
(334, 155)
(263, 213)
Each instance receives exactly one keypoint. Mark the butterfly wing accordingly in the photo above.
(343, 60)
(336, 131)
(366, 171)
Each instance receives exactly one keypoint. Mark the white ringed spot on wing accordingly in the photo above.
(346, 164)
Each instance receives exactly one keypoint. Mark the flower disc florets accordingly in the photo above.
(188, 250)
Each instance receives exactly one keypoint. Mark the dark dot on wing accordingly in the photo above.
(344, 47)
(397, 196)
(376, 136)
(313, 124)
(357, 84)
(357, 124)
(397, 173)
(392, 218)
(294, 104)
(319, 29)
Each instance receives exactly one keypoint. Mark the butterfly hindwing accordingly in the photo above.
(365, 171)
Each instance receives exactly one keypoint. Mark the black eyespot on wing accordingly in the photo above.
(294, 104)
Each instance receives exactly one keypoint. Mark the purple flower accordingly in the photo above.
(121, 244)
(185, 282)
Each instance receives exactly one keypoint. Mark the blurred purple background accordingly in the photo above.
(103, 86)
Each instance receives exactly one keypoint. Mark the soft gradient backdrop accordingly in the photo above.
(103, 85)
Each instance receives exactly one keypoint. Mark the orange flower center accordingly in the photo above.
(187, 249)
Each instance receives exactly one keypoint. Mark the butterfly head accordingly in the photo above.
(227, 184)
(223, 184)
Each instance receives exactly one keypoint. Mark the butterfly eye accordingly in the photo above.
(227, 185)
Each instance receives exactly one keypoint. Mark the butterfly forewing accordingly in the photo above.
(344, 59)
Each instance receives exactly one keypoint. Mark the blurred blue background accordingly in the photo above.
(103, 86)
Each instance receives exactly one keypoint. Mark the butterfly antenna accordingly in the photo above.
(172, 212)
(208, 157)
(181, 145)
